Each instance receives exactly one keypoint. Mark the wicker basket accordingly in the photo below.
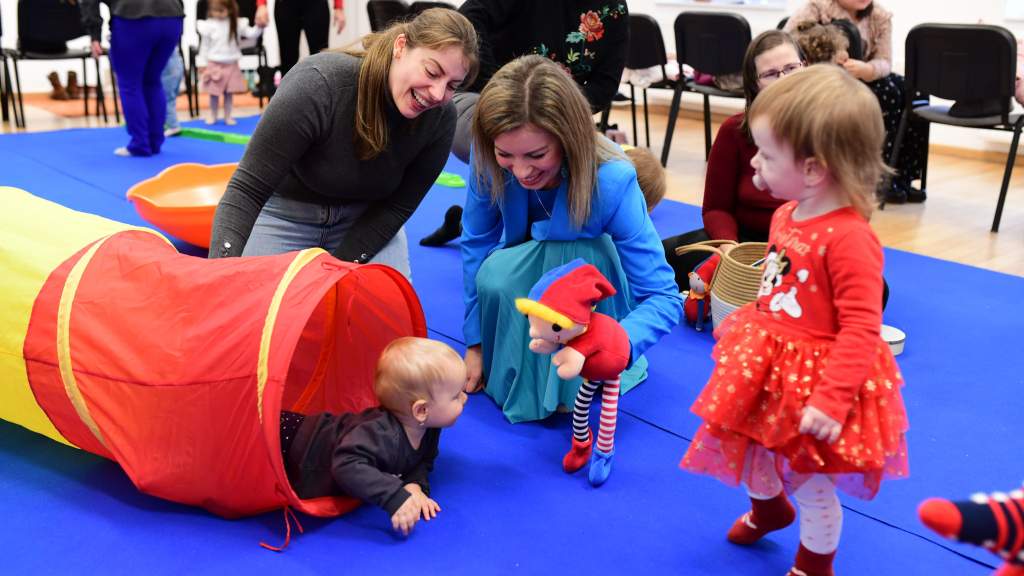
(737, 279)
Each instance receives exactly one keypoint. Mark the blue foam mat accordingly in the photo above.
(500, 485)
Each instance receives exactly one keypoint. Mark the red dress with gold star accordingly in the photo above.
(811, 338)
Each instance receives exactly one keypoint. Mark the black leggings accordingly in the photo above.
(294, 16)
(890, 91)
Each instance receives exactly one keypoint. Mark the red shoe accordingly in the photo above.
(765, 516)
(578, 456)
(812, 564)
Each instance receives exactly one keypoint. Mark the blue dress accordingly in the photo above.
(505, 251)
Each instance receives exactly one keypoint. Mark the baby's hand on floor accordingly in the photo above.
(816, 423)
(405, 518)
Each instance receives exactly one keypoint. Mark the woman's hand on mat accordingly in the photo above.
(820, 425)
(474, 369)
(97, 50)
(860, 69)
(262, 17)
(569, 362)
(405, 518)
(339, 19)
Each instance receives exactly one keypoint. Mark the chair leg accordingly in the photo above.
(1006, 176)
(707, 127)
(21, 102)
(5, 87)
(924, 166)
(647, 122)
(85, 89)
(673, 111)
(113, 94)
(603, 126)
(632, 111)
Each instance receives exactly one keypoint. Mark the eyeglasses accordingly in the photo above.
(775, 74)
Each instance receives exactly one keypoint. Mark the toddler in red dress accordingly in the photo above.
(805, 395)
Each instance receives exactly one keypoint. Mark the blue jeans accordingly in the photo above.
(138, 52)
(286, 225)
(170, 78)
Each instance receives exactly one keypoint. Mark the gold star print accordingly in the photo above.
(830, 229)
(870, 385)
(792, 378)
(747, 373)
(821, 250)
(723, 359)
(808, 363)
(814, 236)
(730, 389)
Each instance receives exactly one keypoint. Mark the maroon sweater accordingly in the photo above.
(731, 201)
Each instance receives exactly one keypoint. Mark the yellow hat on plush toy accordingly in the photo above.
(566, 295)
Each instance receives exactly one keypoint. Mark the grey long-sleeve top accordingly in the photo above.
(130, 9)
(303, 149)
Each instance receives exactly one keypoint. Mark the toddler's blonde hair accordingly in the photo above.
(410, 368)
(650, 175)
(824, 113)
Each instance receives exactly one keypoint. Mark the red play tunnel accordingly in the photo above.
(177, 367)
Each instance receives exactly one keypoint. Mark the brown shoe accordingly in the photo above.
(74, 90)
(58, 89)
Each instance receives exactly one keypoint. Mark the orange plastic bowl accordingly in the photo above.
(182, 199)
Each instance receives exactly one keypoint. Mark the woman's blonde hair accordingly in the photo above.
(535, 90)
(409, 368)
(824, 113)
(435, 29)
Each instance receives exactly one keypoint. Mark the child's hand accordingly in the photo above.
(405, 518)
(816, 423)
(541, 346)
(569, 362)
(428, 507)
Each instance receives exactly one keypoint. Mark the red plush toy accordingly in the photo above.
(698, 300)
(593, 345)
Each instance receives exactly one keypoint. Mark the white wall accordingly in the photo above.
(907, 14)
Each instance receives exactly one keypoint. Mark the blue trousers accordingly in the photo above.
(138, 53)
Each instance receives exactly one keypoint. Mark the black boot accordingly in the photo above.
(450, 230)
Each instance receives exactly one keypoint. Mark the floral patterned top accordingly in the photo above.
(589, 39)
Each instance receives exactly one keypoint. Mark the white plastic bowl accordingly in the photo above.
(894, 337)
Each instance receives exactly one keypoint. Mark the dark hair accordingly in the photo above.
(761, 43)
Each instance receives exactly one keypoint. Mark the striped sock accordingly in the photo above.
(609, 415)
(581, 411)
(994, 521)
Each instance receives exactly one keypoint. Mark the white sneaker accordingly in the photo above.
(171, 132)
(122, 151)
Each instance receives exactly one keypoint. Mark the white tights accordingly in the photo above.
(821, 516)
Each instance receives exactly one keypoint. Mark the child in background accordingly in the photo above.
(171, 77)
(650, 174)
(219, 53)
(805, 395)
(821, 43)
(382, 455)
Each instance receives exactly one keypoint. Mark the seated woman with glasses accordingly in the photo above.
(734, 209)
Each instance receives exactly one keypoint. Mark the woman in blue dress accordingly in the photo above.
(545, 189)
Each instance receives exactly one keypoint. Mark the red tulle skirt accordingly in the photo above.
(756, 396)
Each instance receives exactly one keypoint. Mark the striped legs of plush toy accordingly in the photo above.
(582, 440)
(994, 521)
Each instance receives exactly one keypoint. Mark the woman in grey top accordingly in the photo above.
(349, 146)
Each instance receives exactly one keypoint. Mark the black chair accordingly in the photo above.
(417, 7)
(713, 43)
(246, 9)
(44, 26)
(5, 80)
(969, 63)
(646, 50)
(383, 12)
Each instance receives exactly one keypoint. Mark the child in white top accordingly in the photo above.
(220, 49)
